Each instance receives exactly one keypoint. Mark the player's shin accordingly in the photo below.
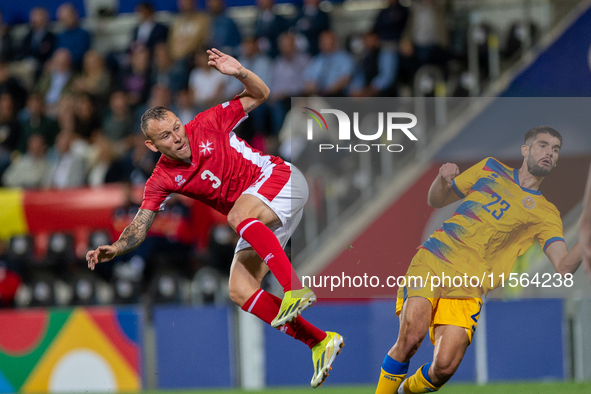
(419, 382)
(392, 374)
(265, 243)
(265, 306)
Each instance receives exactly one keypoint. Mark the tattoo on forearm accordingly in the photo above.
(135, 233)
(242, 74)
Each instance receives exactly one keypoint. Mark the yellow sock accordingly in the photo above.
(393, 373)
(389, 383)
(420, 382)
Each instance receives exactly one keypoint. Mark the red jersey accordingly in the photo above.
(222, 165)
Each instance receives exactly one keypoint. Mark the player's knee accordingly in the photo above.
(444, 366)
(237, 296)
(239, 293)
(413, 343)
(409, 344)
(235, 217)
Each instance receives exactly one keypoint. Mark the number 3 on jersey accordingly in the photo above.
(209, 175)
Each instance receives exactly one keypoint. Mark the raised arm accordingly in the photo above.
(130, 238)
(255, 90)
(441, 193)
(564, 262)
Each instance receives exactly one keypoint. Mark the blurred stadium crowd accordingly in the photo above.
(69, 115)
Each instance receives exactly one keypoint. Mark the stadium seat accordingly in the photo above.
(60, 252)
(43, 291)
(98, 238)
(21, 250)
(126, 291)
(84, 288)
(165, 288)
(207, 287)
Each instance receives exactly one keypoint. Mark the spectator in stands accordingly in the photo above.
(118, 122)
(329, 72)
(310, 22)
(426, 35)
(184, 107)
(174, 75)
(87, 122)
(252, 58)
(73, 38)
(286, 78)
(30, 169)
(376, 72)
(37, 46)
(11, 85)
(65, 113)
(189, 30)
(9, 130)
(6, 45)
(223, 34)
(56, 81)
(9, 127)
(207, 84)
(159, 96)
(268, 27)
(390, 22)
(94, 78)
(135, 80)
(140, 160)
(149, 32)
(104, 165)
(37, 122)
(67, 167)
(255, 127)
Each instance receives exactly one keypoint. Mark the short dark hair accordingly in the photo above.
(146, 5)
(531, 135)
(154, 113)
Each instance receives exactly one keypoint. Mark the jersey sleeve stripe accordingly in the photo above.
(240, 121)
(552, 240)
(455, 188)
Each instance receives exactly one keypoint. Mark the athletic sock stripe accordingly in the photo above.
(255, 300)
(248, 225)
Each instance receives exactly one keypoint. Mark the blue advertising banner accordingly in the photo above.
(193, 347)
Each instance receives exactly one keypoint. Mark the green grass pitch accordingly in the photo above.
(506, 388)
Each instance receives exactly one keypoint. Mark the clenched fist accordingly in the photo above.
(449, 171)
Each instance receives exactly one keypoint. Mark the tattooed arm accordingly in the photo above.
(130, 238)
(255, 90)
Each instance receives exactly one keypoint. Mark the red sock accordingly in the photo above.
(267, 246)
(265, 306)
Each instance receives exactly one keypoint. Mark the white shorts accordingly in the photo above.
(286, 199)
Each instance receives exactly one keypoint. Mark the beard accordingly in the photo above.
(537, 170)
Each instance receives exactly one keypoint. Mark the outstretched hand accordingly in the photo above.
(100, 255)
(225, 64)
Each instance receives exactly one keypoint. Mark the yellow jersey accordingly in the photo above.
(497, 222)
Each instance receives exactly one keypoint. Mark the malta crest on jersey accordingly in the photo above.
(206, 148)
(529, 202)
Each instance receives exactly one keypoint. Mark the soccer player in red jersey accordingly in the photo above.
(262, 195)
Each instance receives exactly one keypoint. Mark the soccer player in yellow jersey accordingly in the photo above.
(585, 228)
(502, 214)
